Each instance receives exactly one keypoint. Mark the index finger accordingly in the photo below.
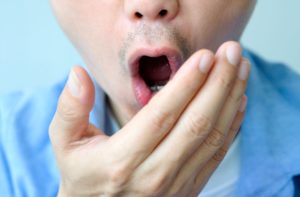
(145, 131)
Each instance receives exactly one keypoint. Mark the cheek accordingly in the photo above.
(92, 33)
(215, 22)
(98, 37)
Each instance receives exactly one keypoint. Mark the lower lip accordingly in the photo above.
(142, 92)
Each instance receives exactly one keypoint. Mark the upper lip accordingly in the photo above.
(174, 58)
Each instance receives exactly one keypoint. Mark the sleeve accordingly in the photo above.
(5, 180)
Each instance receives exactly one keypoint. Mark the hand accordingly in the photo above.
(169, 148)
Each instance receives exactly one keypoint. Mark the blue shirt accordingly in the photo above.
(270, 136)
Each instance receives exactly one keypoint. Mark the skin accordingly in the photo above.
(104, 30)
(199, 124)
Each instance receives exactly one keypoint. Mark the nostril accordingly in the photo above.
(138, 15)
(163, 13)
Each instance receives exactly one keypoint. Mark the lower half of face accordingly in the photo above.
(134, 47)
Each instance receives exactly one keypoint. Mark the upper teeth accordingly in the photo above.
(156, 88)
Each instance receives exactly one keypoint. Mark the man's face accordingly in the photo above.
(133, 47)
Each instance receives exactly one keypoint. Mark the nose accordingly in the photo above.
(151, 9)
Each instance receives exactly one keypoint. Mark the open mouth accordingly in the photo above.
(155, 71)
(151, 71)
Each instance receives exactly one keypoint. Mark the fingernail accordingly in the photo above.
(233, 53)
(244, 70)
(74, 84)
(243, 104)
(206, 62)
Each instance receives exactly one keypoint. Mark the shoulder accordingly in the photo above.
(27, 112)
(26, 156)
(274, 96)
(270, 131)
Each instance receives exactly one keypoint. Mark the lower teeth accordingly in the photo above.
(156, 88)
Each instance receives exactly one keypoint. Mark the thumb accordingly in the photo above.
(71, 119)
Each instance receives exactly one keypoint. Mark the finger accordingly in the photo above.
(204, 173)
(184, 178)
(200, 116)
(142, 134)
(234, 98)
(71, 119)
(218, 135)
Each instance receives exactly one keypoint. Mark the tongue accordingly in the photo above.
(155, 71)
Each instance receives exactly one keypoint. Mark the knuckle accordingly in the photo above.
(118, 177)
(236, 96)
(224, 82)
(198, 125)
(237, 92)
(215, 139)
(162, 119)
(157, 185)
(225, 77)
(66, 112)
(219, 156)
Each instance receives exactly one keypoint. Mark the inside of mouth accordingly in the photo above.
(155, 71)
